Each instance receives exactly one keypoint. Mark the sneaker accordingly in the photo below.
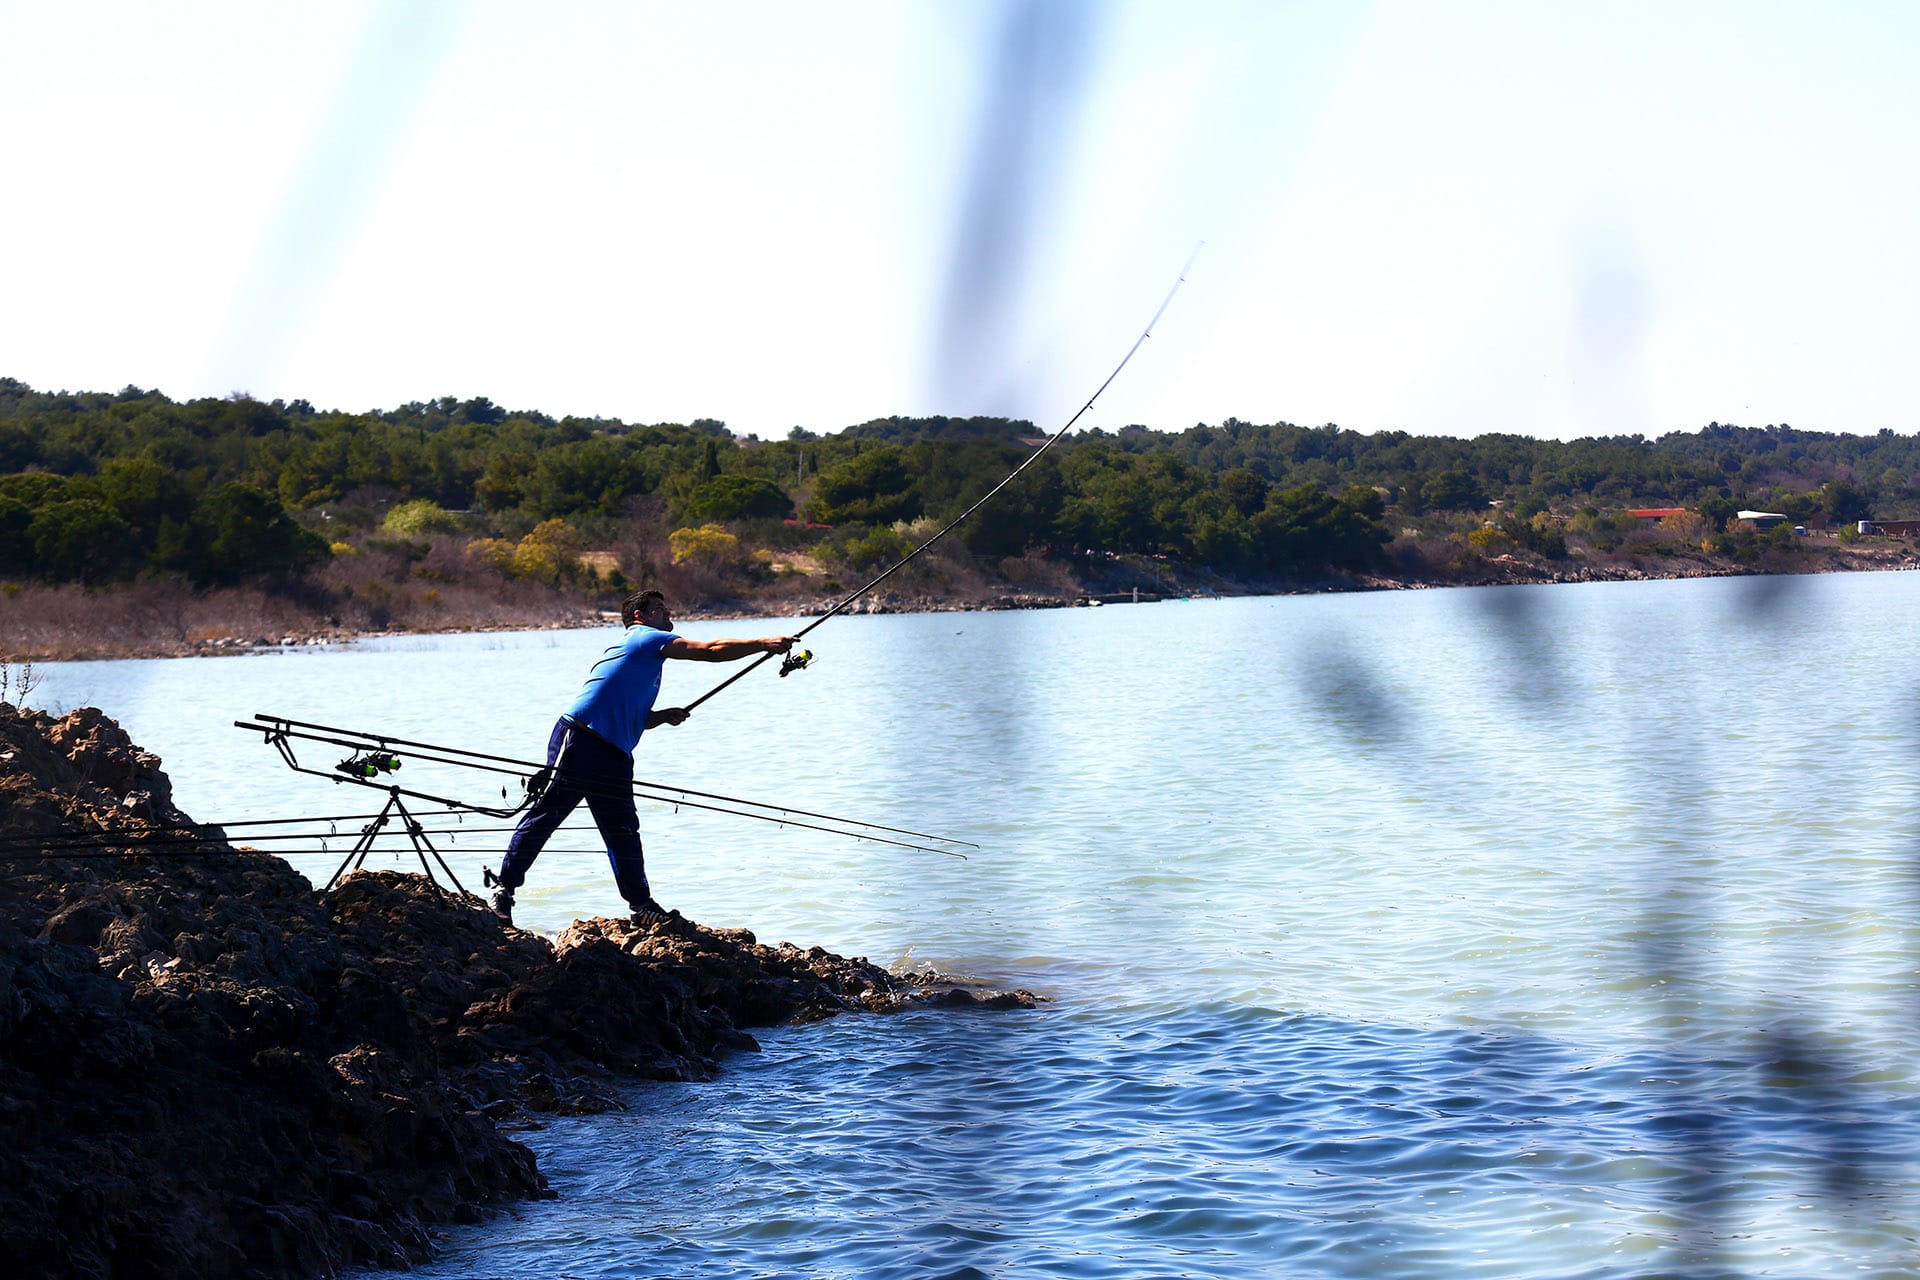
(501, 904)
(648, 912)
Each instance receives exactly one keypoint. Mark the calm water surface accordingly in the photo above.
(1558, 931)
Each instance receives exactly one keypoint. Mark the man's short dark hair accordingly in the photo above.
(639, 602)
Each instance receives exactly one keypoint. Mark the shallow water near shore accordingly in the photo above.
(1540, 931)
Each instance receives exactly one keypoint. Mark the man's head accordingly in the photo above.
(644, 606)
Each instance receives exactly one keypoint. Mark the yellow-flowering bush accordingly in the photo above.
(708, 542)
(547, 554)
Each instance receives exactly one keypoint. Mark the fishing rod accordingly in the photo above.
(15, 846)
(380, 753)
(183, 840)
(53, 844)
(798, 660)
(305, 851)
(169, 837)
(463, 758)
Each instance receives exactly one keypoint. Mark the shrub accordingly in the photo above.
(709, 542)
(547, 553)
(863, 549)
(497, 552)
(420, 516)
(1687, 525)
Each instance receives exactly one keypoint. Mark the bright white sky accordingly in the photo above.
(1460, 217)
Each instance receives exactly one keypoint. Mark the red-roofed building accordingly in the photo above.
(1656, 513)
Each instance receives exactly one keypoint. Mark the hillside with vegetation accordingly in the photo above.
(131, 522)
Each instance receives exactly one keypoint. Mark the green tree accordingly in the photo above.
(593, 476)
(1367, 500)
(1454, 489)
(82, 540)
(1843, 503)
(502, 486)
(1221, 536)
(1306, 528)
(16, 542)
(240, 531)
(1245, 491)
(1024, 514)
(38, 488)
(1717, 510)
(1122, 505)
(315, 472)
(870, 488)
(736, 498)
(143, 493)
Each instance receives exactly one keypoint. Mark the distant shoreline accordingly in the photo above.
(111, 631)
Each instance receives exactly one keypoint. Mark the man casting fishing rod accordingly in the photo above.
(591, 751)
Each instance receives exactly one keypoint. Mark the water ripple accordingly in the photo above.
(1215, 1142)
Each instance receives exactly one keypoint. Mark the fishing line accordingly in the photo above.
(908, 558)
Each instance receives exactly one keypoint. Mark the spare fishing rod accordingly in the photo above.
(280, 732)
(22, 846)
(109, 844)
(798, 661)
(182, 833)
(319, 850)
(279, 729)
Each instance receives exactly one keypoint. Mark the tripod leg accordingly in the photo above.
(422, 847)
(356, 855)
(364, 845)
(444, 867)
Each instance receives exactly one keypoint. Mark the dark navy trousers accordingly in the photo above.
(585, 767)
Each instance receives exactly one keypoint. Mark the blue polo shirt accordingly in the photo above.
(620, 690)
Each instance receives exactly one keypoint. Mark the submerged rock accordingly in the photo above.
(206, 1069)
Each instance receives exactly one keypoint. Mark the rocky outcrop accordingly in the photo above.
(206, 1069)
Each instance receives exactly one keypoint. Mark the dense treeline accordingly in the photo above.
(101, 487)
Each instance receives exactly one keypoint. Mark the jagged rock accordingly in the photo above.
(208, 1070)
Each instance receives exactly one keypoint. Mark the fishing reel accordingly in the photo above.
(795, 661)
(368, 763)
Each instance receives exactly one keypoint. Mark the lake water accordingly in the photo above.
(1545, 931)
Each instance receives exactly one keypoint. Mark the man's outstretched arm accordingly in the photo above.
(712, 651)
(724, 650)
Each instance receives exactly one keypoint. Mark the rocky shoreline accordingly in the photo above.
(207, 1069)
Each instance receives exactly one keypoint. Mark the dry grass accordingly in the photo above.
(433, 584)
(1037, 573)
(353, 596)
(155, 616)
